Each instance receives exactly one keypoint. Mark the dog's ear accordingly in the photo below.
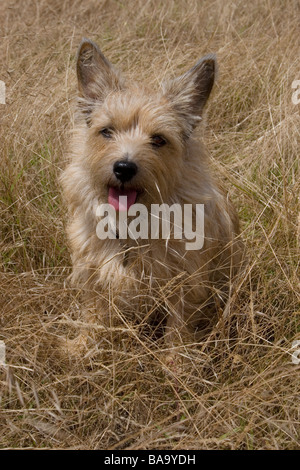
(189, 93)
(96, 76)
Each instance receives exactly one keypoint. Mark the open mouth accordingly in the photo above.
(122, 204)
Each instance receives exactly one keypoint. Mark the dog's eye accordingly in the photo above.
(158, 140)
(106, 132)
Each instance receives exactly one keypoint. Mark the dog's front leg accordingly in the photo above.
(176, 332)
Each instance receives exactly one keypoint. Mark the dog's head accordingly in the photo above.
(135, 139)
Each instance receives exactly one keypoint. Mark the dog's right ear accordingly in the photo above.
(189, 93)
(96, 76)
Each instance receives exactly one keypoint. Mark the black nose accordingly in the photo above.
(125, 170)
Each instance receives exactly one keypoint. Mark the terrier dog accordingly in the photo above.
(132, 141)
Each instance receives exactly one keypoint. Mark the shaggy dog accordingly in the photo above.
(132, 141)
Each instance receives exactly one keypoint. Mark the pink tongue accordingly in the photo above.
(121, 204)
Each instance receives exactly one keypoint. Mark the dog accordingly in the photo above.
(130, 140)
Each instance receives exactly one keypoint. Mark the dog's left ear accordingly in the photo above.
(96, 75)
(189, 93)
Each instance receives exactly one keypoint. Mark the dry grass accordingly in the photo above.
(239, 388)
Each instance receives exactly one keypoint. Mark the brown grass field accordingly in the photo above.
(239, 388)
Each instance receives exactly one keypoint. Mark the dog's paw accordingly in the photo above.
(173, 364)
(76, 347)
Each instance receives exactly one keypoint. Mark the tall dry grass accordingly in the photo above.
(239, 388)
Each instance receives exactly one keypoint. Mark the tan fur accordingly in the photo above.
(147, 276)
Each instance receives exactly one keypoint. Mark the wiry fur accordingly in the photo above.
(148, 276)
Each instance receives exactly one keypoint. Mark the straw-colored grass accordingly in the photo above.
(239, 388)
